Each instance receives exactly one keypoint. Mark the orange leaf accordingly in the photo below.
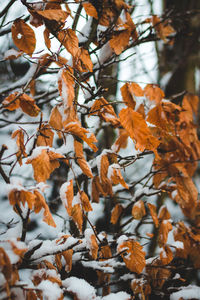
(69, 40)
(166, 255)
(67, 195)
(46, 136)
(137, 129)
(85, 202)
(44, 162)
(163, 29)
(28, 105)
(57, 15)
(97, 189)
(90, 10)
(41, 203)
(138, 210)
(163, 213)
(66, 87)
(47, 40)
(20, 143)
(104, 165)
(78, 147)
(165, 228)
(133, 256)
(12, 101)
(68, 258)
(120, 41)
(128, 91)
(104, 110)
(23, 36)
(82, 133)
(21, 196)
(92, 244)
(121, 141)
(56, 120)
(116, 213)
(153, 213)
(153, 92)
(77, 216)
(82, 61)
(115, 176)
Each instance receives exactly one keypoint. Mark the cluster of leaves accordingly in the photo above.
(157, 128)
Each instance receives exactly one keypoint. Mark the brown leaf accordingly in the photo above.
(23, 36)
(138, 130)
(133, 256)
(138, 210)
(20, 144)
(116, 213)
(165, 228)
(153, 92)
(68, 258)
(28, 105)
(120, 41)
(166, 255)
(153, 213)
(47, 40)
(67, 195)
(12, 101)
(82, 133)
(121, 141)
(77, 216)
(57, 15)
(82, 61)
(85, 202)
(116, 177)
(41, 203)
(44, 162)
(69, 40)
(46, 136)
(129, 91)
(56, 120)
(90, 10)
(78, 147)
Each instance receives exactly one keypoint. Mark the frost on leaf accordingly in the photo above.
(138, 130)
(23, 36)
(66, 87)
(80, 288)
(44, 161)
(133, 255)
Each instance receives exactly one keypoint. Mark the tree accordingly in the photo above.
(91, 179)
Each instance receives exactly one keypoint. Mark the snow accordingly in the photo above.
(88, 233)
(63, 190)
(84, 34)
(51, 291)
(188, 292)
(11, 52)
(80, 287)
(117, 296)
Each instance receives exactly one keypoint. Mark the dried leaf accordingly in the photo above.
(57, 15)
(78, 147)
(46, 136)
(116, 213)
(85, 202)
(23, 36)
(68, 258)
(20, 144)
(67, 195)
(165, 228)
(116, 177)
(69, 40)
(77, 216)
(121, 141)
(47, 40)
(90, 10)
(138, 130)
(66, 87)
(166, 255)
(120, 41)
(152, 209)
(82, 133)
(44, 163)
(153, 92)
(134, 256)
(138, 210)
